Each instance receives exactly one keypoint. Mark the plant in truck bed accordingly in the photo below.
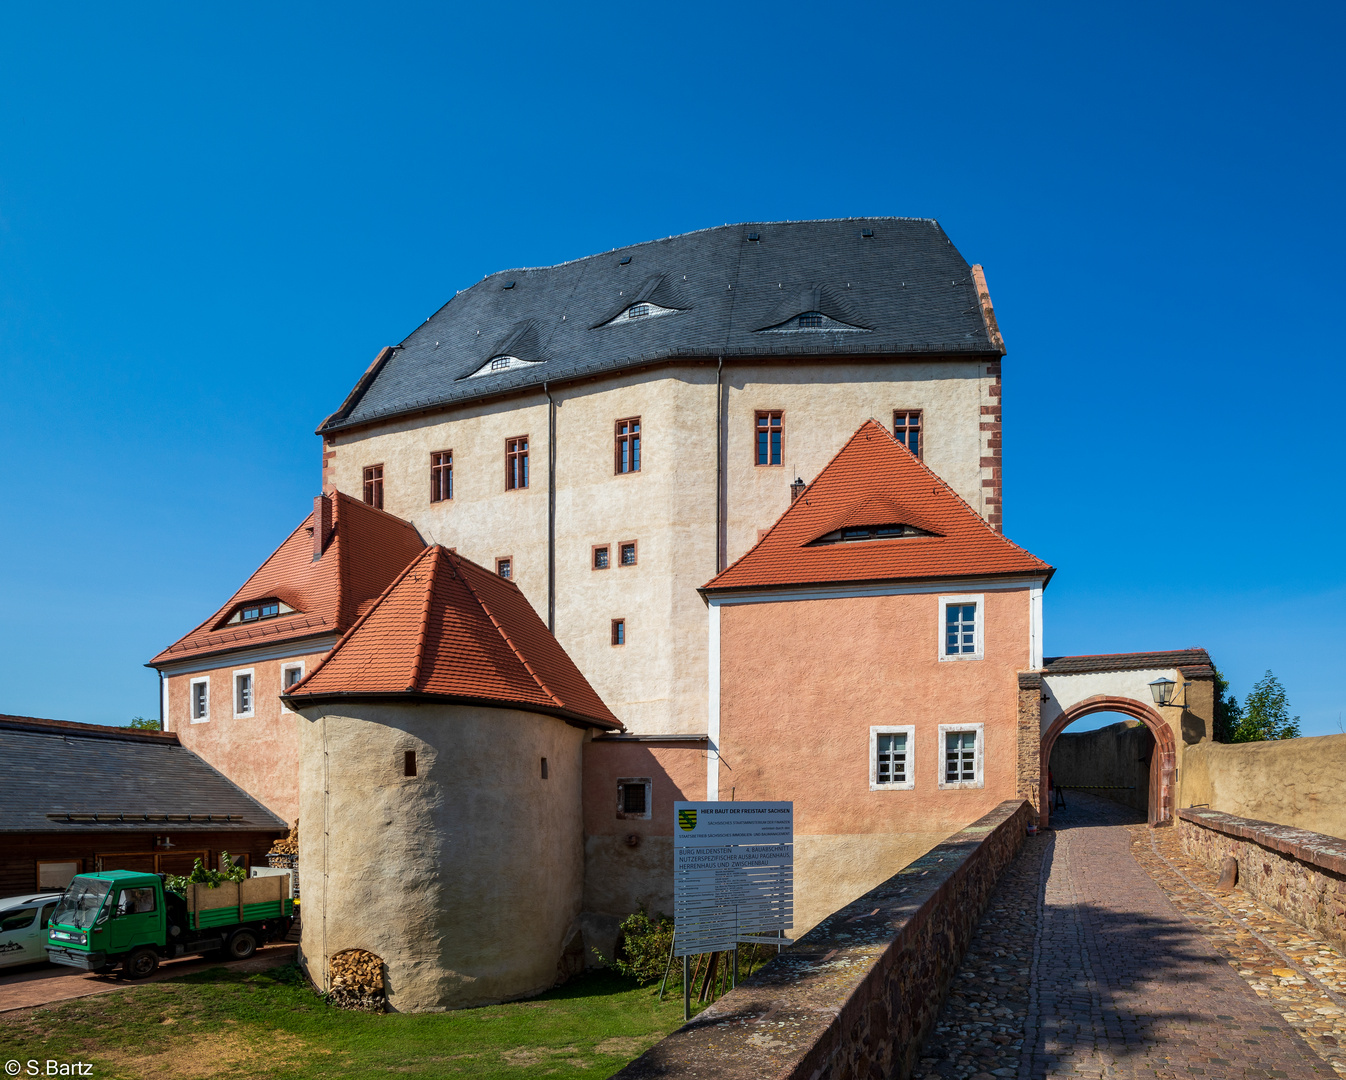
(211, 879)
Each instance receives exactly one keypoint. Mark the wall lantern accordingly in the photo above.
(1162, 690)
(797, 488)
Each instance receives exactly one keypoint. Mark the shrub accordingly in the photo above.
(643, 952)
(212, 879)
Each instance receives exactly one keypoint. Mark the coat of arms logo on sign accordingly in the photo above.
(733, 874)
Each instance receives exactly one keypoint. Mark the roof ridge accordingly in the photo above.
(504, 634)
(419, 656)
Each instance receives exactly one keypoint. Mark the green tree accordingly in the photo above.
(1266, 713)
(1228, 711)
(143, 724)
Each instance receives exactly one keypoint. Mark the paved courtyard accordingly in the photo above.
(1090, 964)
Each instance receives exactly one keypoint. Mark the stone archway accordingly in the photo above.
(1162, 777)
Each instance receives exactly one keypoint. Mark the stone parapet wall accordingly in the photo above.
(856, 996)
(1301, 874)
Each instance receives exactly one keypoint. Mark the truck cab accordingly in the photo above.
(128, 918)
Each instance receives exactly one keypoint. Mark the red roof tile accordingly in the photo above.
(875, 480)
(365, 550)
(448, 628)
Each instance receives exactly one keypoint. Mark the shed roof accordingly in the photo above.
(450, 629)
(364, 551)
(874, 480)
(61, 776)
(903, 290)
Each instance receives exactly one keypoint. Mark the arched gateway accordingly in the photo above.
(1068, 688)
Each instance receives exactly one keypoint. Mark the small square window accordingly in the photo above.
(242, 693)
(601, 554)
(907, 429)
(890, 758)
(505, 568)
(633, 797)
(627, 552)
(619, 631)
(374, 486)
(199, 700)
(961, 753)
(961, 627)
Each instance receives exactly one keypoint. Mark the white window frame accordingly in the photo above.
(909, 731)
(289, 665)
(980, 731)
(191, 700)
(979, 625)
(252, 692)
(622, 782)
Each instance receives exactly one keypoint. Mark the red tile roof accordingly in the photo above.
(450, 629)
(875, 480)
(365, 550)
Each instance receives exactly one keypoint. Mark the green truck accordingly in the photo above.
(128, 918)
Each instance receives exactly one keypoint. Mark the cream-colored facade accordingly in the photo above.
(465, 878)
(696, 418)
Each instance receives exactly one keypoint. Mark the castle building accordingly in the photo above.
(612, 432)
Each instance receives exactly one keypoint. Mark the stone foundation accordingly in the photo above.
(857, 995)
(1301, 874)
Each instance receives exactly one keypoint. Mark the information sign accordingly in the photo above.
(733, 874)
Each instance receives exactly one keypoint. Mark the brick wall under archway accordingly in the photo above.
(1162, 778)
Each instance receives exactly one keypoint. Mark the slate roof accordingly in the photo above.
(365, 550)
(450, 629)
(905, 290)
(875, 480)
(59, 775)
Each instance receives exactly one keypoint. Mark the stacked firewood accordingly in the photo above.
(288, 846)
(356, 979)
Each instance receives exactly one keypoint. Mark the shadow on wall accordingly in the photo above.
(1112, 762)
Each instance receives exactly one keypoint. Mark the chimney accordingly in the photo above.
(322, 524)
(797, 488)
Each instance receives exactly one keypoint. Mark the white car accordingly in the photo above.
(23, 927)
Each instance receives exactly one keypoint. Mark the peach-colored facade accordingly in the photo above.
(629, 859)
(801, 684)
(258, 752)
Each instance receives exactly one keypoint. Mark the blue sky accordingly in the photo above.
(211, 219)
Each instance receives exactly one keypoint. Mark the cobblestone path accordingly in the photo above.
(1083, 967)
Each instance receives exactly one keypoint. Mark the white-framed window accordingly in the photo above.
(891, 757)
(198, 700)
(633, 797)
(290, 673)
(243, 694)
(961, 749)
(961, 622)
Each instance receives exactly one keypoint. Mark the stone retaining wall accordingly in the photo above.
(856, 996)
(1301, 874)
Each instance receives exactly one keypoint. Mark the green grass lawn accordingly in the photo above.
(219, 1024)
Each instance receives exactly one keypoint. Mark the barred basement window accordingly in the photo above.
(633, 797)
(600, 556)
(628, 552)
(505, 568)
(374, 486)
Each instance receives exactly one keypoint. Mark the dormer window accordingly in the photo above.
(894, 531)
(811, 320)
(503, 362)
(257, 610)
(644, 309)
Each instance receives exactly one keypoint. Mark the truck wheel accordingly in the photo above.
(241, 945)
(140, 963)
